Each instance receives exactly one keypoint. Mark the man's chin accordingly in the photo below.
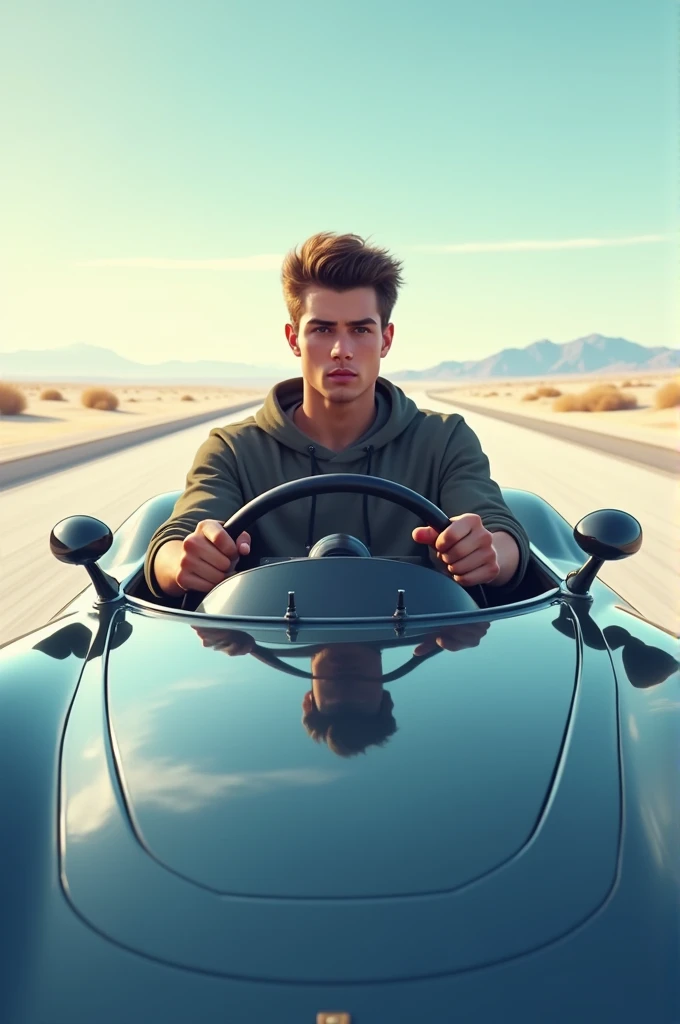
(341, 396)
(346, 392)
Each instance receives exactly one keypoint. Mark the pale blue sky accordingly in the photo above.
(139, 133)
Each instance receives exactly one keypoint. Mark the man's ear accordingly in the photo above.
(292, 339)
(387, 337)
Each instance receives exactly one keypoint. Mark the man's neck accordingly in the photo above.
(335, 425)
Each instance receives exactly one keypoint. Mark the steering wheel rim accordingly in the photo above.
(336, 483)
(276, 661)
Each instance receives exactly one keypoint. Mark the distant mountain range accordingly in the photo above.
(90, 362)
(540, 359)
(546, 359)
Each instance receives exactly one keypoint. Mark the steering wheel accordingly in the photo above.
(328, 483)
(276, 661)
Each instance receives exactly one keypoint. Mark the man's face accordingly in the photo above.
(347, 677)
(340, 341)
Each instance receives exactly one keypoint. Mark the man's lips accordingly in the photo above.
(342, 373)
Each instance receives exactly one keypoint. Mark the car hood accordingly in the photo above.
(227, 786)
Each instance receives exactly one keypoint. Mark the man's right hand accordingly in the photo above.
(199, 562)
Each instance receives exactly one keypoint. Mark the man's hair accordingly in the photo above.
(350, 732)
(340, 262)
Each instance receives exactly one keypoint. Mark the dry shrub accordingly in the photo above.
(12, 400)
(611, 401)
(132, 399)
(491, 394)
(51, 395)
(548, 392)
(530, 396)
(668, 395)
(628, 384)
(600, 398)
(187, 398)
(99, 398)
(568, 403)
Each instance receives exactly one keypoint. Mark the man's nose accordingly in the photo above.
(342, 347)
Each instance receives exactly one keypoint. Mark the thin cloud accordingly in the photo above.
(535, 245)
(273, 261)
(267, 261)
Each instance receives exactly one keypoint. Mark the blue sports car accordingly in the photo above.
(342, 789)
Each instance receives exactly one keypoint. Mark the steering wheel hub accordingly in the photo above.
(339, 545)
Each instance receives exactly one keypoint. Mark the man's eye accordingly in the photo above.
(320, 328)
(365, 329)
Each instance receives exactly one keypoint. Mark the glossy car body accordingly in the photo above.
(179, 848)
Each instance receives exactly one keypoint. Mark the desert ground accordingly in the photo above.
(47, 423)
(645, 422)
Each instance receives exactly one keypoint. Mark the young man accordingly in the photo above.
(340, 416)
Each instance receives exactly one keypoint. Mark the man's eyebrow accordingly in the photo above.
(350, 323)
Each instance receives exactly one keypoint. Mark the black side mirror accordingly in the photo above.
(81, 540)
(606, 535)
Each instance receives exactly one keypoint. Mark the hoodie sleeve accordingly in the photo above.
(212, 491)
(465, 485)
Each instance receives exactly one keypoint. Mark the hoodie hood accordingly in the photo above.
(394, 412)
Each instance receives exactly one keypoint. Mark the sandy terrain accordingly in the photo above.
(46, 424)
(645, 423)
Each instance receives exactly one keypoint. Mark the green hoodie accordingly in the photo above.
(436, 454)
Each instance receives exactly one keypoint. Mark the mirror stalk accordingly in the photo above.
(580, 580)
(106, 586)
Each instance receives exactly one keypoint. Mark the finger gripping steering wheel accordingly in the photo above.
(336, 483)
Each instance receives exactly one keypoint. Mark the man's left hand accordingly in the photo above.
(466, 547)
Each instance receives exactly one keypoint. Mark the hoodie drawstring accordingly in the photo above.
(369, 449)
(315, 469)
(367, 529)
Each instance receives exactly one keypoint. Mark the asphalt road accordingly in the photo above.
(638, 452)
(575, 480)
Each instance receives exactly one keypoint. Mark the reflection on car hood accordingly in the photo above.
(227, 787)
